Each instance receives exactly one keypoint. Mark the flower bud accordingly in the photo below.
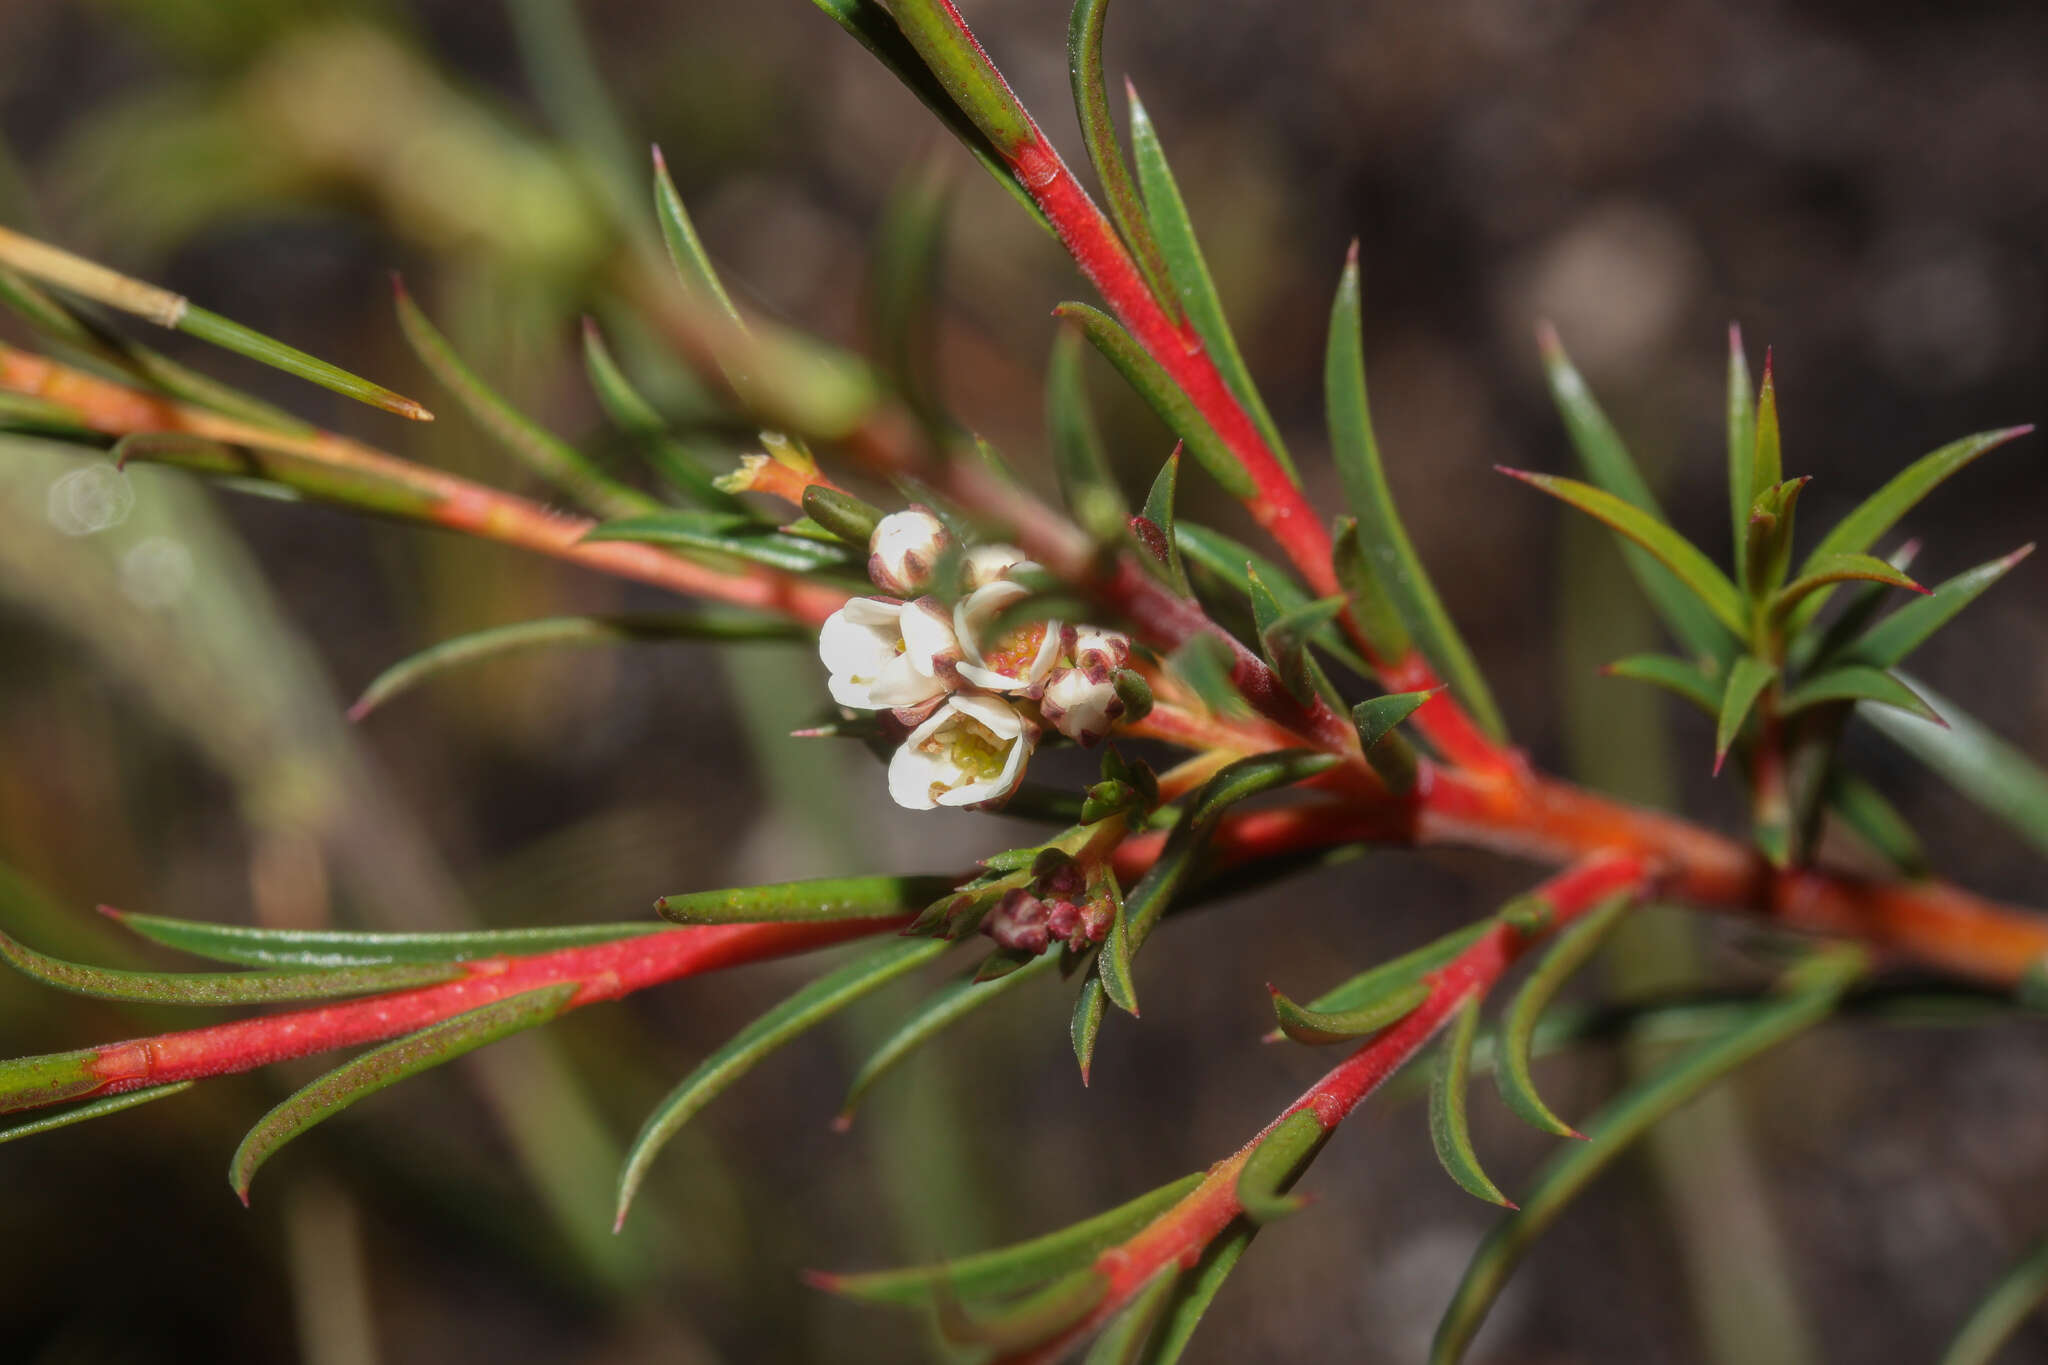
(1095, 647)
(1018, 922)
(986, 564)
(904, 550)
(1081, 703)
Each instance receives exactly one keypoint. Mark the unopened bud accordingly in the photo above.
(904, 549)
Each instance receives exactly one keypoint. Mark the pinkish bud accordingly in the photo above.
(1018, 923)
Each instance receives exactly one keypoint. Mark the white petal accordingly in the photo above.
(928, 635)
(911, 775)
(999, 716)
(903, 549)
(986, 564)
(900, 684)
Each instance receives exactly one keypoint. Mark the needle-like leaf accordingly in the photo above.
(1079, 459)
(1857, 683)
(1865, 810)
(721, 533)
(1276, 1163)
(815, 1002)
(1317, 1027)
(335, 948)
(685, 249)
(1155, 529)
(387, 1065)
(2013, 1299)
(1385, 541)
(945, 1008)
(1123, 1341)
(1905, 630)
(1390, 755)
(1448, 1128)
(113, 1104)
(1821, 572)
(820, 898)
(219, 988)
(1573, 948)
(1098, 132)
(1741, 444)
(1193, 1292)
(1677, 676)
(631, 413)
(1234, 563)
(1977, 763)
(1746, 682)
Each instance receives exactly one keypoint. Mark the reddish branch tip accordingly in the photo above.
(822, 1279)
(1720, 757)
(1768, 382)
(1351, 255)
(2017, 555)
(842, 1122)
(1735, 336)
(660, 161)
(118, 916)
(361, 707)
(1547, 341)
(398, 289)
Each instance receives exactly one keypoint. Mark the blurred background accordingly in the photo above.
(1861, 187)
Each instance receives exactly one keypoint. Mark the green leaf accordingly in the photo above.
(1123, 1340)
(1113, 963)
(1767, 464)
(542, 452)
(26, 412)
(1390, 755)
(1905, 630)
(1034, 1320)
(1674, 551)
(1374, 984)
(330, 948)
(1741, 445)
(574, 631)
(1881, 510)
(1190, 274)
(903, 281)
(685, 249)
(808, 1007)
(1746, 682)
(1380, 532)
(218, 988)
(1809, 647)
(113, 1104)
(1609, 465)
(945, 1008)
(1864, 809)
(1999, 778)
(1448, 1129)
(1286, 637)
(2013, 1299)
(387, 1065)
(1012, 1269)
(1194, 1291)
(1205, 664)
(1274, 1165)
(1234, 563)
(1853, 683)
(1165, 397)
(1767, 551)
(1379, 619)
(627, 410)
(816, 899)
(871, 24)
(1808, 995)
(964, 70)
(844, 515)
(52, 1078)
(76, 275)
(1086, 483)
(1090, 1006)
(1823, 571)
(1678, 676)
(1155, 530)
(1098, 132)
(728, 534)
(1572, 950)
(1317, 1027)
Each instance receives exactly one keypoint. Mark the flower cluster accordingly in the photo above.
(975, 700)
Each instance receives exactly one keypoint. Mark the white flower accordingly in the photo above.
(1110, 649)
(970, 752)
(928, 640)
(1081, 703)
(862, 645)
(1021, 658)
(904, 550)
(985, 564)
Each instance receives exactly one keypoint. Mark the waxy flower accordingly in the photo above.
(904, 550)
(970, 752)
(1016, 662)
(1081, 703)
(986, 564)
(863, 646)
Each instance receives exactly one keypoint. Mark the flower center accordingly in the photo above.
(1013, 655)
(972, 748)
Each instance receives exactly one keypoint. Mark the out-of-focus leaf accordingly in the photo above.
(1079, 460)
(556, 631)
(1372, 606)
(1193, 1292)
(1674, 551)
(1677, 676)
(1746, 682)
(1609, 465)
(1857, 683)
(1390, 755)
(1123, 1340)
(1906, 629)
(1865, 810)
(541, 451)
(332, 948)
(387, 1065)
(1375, 983)
(218, 988)
(1808, 995)
(1011, 1269)
(25, 412)
(685, 248)
(728, 534)
(76, 275)
(1162, 395)
(1286, 637)
(1385, 541)
(802, 1011)
(1767, 463)
(903, 281)
(1098, 132)
(820, 898)
(1034, 1320)
(1190, 273)
(631, 413)
(1316, 1027)
(1276, 1163)
(1977, 763)
(1767, 549)
(1156, 524)
(945, 1008)
(1518, 1029)
(1820, 572)
(2013, 1299)
(113, 1104)
(1741, 444)
(1204, 663)
(1235, 564)
(1809, 647)
(1448, 1128)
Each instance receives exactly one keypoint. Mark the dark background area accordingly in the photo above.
(1861, 187)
